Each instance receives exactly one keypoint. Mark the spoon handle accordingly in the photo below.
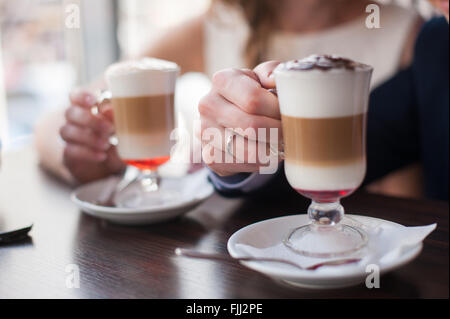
(128, 178)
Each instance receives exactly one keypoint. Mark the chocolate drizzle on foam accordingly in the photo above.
(323, 63)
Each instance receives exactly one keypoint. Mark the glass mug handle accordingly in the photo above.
(276, 150)
(103, 97)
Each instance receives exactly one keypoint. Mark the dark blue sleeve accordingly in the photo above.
(392, 135)
(409, 115)
(430, 70)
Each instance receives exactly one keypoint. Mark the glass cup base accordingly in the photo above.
(140, 199)
(326, 241)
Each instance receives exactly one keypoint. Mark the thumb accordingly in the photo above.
(264, 71)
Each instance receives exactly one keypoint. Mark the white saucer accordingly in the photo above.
(193, 189)
(272, 232)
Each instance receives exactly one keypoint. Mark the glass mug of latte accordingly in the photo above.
(324, 103)
(142, 97)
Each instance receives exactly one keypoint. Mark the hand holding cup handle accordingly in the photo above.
(104, 97)
(88, 154)
(266, 78)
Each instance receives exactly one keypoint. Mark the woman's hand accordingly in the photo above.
(240, 100)
(88, 154)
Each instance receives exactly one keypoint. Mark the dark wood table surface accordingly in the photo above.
(138, 262)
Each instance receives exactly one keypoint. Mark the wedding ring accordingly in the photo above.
(274, 151)
(229, 145)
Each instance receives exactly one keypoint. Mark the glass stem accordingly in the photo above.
(150, 180)
(325, 214)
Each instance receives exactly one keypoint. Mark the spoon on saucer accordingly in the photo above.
(107, 199)
(200, 255)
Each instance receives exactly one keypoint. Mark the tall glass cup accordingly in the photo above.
(324, 103)
(142, 96)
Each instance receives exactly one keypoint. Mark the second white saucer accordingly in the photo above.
(272, 232)
(191, 190)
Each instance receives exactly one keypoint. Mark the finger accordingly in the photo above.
(264, 71)
(247, 93)
(75, 152)
(82, 98)
(82, 117)
(215, 108)
(237, 149)
(250, 73)
(114, 163)
(216, 135)
(210, 156)
(107, 111)
(228, 170)
(84, 136)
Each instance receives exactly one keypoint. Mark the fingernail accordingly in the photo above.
(271, 75)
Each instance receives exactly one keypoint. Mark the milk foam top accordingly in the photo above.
(323, 86)
(144, 77)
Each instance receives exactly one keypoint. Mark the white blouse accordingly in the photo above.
(226, 33)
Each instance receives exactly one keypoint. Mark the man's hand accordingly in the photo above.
(88, 154)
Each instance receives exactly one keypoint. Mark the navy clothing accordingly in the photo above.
(409, 115)
(408, 118)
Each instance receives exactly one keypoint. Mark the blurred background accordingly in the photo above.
(43, 53)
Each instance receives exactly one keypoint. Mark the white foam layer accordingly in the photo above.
(144, 64)
(315, 178)
(143, 146)
(320, 94)
(143, 77)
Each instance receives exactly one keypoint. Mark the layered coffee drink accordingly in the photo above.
(323, 102)
(143, 102)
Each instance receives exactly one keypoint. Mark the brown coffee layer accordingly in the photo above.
(144, 114)
(324, 141)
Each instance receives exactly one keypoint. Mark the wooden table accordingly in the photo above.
(138, 262)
